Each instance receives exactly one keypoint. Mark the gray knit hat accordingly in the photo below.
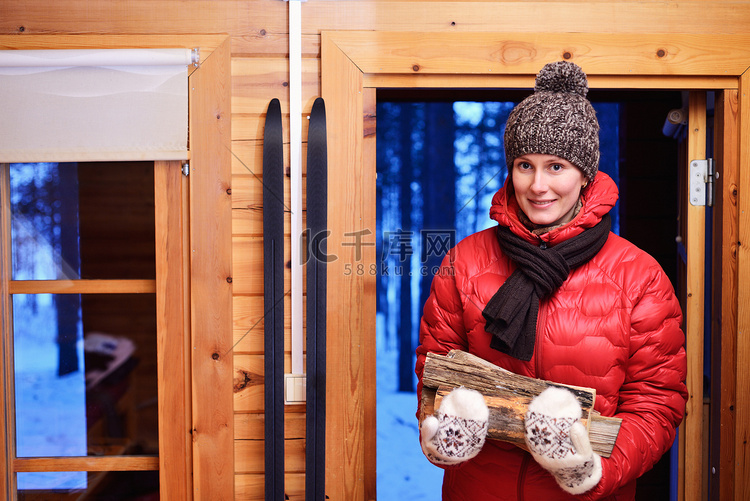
(556, 119)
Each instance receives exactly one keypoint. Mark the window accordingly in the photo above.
(80, 326)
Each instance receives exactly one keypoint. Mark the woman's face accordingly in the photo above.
(547, 188)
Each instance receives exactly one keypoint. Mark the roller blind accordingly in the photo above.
(94, 105)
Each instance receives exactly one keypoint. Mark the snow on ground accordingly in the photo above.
(403, 471)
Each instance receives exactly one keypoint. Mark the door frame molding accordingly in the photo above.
(355, 63)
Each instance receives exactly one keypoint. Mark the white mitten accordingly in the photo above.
(560, 443)
(457, 432)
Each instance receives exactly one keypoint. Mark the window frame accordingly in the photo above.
(192, 285)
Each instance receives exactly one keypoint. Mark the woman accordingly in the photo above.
(551, 293)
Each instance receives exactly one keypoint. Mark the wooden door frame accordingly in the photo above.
(355, 63)
(198, 269)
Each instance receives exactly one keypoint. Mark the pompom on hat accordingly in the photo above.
(556, 119)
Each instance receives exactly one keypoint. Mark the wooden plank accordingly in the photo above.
(247, 205)
(253, 16)
(249, 456)
(248, 264)
(247, 157)
(87, 463)
(211, 277)
(350, 321)
(248, 389)
(250, 486)
(261, 43)
(60, 40)
(169, 17)
(172, 331)
(694, 307)
(249, 425)
(255, 81)
(248, 324)
(489, 81)
(248, 382)
(249, 126)
(369, 136)
(7, 415)
(724, 287)
(82, 286)
(506, 53)
(742, 388)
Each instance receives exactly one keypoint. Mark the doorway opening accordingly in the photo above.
(440, 160)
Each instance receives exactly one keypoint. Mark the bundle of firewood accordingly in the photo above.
(507, 396)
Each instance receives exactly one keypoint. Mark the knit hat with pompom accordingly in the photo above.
(556, 119)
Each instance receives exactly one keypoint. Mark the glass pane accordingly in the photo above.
(97, 486)
(87, 220)
(85, 374)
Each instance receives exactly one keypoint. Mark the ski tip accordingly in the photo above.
(319, 104)
(274, 106)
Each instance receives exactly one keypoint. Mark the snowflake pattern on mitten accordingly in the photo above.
(549, 436)
(457, 431)
(459, 438)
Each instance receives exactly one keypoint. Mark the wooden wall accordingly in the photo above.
(259, 46)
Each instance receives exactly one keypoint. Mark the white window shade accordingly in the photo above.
(94, 105)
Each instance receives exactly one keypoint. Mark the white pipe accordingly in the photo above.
(295, 133)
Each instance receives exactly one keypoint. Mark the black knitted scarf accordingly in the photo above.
(512, 312)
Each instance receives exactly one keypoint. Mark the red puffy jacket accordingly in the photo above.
(614, 325)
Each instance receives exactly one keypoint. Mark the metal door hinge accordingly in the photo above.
(701, 183)
(186, 169)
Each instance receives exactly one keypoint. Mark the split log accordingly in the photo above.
(507, 396)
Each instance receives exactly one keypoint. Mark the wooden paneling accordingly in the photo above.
(248, 263)
(248, 324)
(261, 43)
(247, 156)
(211, 276)
(249, 126)
(258, 43)
(724, 322)
(248, 384)
(76, 40)
(173, 331)
(599, 54)
(694, 307)
(249, 426)
(7, 415)
(255, 81)
(253, 17)
(247, 205)
(345, 372)
(89, 463)
(249, 456)
(742, 388)
(134, 286)
(249, 486)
